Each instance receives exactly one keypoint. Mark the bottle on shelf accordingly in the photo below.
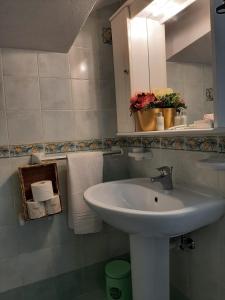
(183, 118)
(160, 122)
(177, 119)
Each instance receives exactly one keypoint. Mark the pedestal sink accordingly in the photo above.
(151, 216)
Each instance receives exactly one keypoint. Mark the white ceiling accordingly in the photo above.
(198, 52)
(102, 3)
(50, 25)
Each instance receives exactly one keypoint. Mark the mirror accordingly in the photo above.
(189, 58)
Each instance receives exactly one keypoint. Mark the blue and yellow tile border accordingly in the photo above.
(187, 143)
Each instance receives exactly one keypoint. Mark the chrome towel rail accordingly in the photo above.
(62, 157)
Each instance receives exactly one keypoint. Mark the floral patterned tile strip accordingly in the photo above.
(221, 144)
(114, 142)
(89, 145)
(203, 144)
(151, 142)
(134, 142)
(24, 150)
(62, 147)
(4, 151)
(174, 143)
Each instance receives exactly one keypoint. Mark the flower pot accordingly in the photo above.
(146, 120)
(169, 116)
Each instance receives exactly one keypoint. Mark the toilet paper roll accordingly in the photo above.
(42, 190)
(36, 210)
(53, 206)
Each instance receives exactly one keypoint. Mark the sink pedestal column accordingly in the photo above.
(150, 267)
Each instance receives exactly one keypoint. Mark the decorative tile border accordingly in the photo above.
(174, 143)
(221, 144)
(203, 144)
(89, 145)
(115, 142)
(200, 143)
(151, 142)
(24, 150)
(134, 142)
(62, 147)
(4, 151)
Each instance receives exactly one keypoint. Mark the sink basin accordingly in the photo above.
(151, 216)
(139, 206)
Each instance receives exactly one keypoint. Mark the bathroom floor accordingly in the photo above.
(83, 284)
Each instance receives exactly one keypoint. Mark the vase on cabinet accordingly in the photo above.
(169, 117)
(146, 120)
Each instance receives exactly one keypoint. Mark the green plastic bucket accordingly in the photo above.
(118, 280)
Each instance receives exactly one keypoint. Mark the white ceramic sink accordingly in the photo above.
(151, 216)
(139, 206)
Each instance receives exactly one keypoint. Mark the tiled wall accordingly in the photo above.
(47, 97)
(192, 80)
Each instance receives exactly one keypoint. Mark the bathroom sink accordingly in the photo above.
(138, 206)
(151, 216)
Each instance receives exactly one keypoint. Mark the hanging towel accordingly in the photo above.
(85, 169)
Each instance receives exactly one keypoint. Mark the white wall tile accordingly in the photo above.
(55, 93)
(40, 262)
(7, 209)
(83, 63)
(96, 246)
(2, 100)
(10, 274)
(106, 67)
(191, 80)
(24, 127)
(70, 255)
(53, 65)
(109, 124)
(88, 125)
(175, 70)
(9, 241)
(19, 62)
(3, 129)
(193, 73)
(85, 94)
(106, 94)
(193, 96)
(58, 125)
(22, 93)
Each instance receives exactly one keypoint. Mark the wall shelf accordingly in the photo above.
(165, 133)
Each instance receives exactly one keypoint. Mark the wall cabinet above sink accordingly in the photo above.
(145, 49)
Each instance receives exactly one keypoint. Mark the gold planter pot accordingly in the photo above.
(169, 116)
(146, 120)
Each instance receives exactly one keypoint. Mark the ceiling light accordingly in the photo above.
(163, 10)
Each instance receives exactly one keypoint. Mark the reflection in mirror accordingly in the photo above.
(189, 59)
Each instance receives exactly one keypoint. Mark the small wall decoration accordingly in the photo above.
(107, 35)
(209, 93)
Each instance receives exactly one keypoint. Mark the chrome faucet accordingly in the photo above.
(165, 177)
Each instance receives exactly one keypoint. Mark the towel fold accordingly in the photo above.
(85, 169)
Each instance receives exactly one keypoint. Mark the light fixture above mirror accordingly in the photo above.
(163, 10)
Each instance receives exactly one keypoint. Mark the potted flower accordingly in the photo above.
(170, 102)
(146, 106)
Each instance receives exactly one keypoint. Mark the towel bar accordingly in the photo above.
(62, 157)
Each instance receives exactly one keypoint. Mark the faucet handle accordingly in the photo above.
(165, 170)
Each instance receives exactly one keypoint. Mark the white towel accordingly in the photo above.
(85, 169)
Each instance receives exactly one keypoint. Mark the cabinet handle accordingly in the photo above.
(126, 71)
